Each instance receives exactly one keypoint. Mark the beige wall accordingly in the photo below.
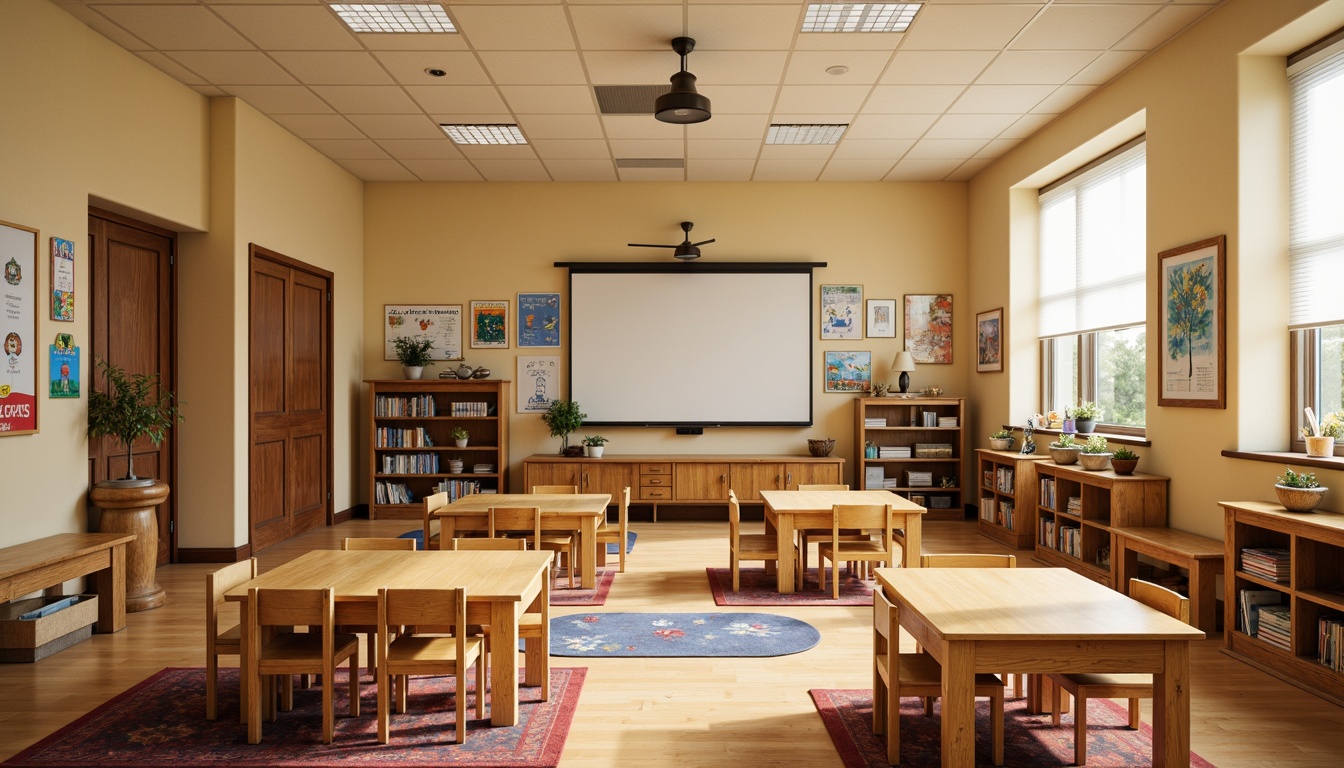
(1215, 123)
(451, 243)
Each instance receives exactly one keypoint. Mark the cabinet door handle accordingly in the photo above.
(723, 479)
(788, 479)
(585, 479)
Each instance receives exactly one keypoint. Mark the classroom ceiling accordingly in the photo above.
(968, 80)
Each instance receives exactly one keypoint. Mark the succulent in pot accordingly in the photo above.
(1124, 461)
(593, 445)
(1002, 440)
(1095, 455)
(1065, 450)
(460, 437)
(1298, 491)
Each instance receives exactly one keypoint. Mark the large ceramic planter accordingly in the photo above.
(131, 510)
(1320, 446)
(1094, 462)
(1064, 455)
(1299, 499)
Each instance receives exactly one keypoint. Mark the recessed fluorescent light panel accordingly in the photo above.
(859, 17)
(805, 134)
(394, 17)
(484, 134)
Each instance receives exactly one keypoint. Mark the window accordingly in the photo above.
(1316, 229)
(1093, 280)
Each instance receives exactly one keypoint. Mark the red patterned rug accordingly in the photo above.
(160, 723)
(561, 594)
(1028, 740)
(759, 589)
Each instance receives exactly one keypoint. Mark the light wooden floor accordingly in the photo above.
(685, 712)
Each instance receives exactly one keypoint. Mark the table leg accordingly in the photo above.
(959, 706)
(588, 547)
(537, 653)
(784, 543)
(770, 566)
(913, 541)
(111, 585)
(1171, 707)
(1203, 575)
(504, 663)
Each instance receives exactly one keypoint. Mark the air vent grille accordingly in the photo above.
(628, 99)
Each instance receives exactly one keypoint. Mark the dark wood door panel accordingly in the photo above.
(269, 519)
(269, 287)
(308, 369)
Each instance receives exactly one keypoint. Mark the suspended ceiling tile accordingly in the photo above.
(497, 151)
(1036, 67)
(452, 99)
(890, 126)
(560, 126)
(797, 151)
(740, 99)
(408, 67)
(441, 169)
(640, 127)
(970, 126)
(549, 99)
(967, 170)
(641, 148)
(571, 149)
(280, 99)
(171, 68)
(723, 126)
(855, 169)
(922, 170)
(349, 149)
(177, 27)
(719, 148)
(209, 91)
(1106, 66)
(514, 27)
(936, 67)
(1001, 99)
(743, 27)
(848, 41)
(1081, 27)
(103, 26)
(376, 170)
(419, 149)
(290, 28)
(790, 118)
(912, 99)
(651, 174)
(873, 149)
(628, 28)
(580, 169)
(721, 169)
(809, 67)
(333, 67)
(945, 149)
(511, 169)
(318, 126)
(367, 99)
(631, 67)
(1063, 99)
(811, 99)
(233, 67)
(534, 67)
(996, 148)
(1161, 27)
(397, 126)
(732, 68)
(967, 27)
(389, 41)
(787, 169)
(1026, 126)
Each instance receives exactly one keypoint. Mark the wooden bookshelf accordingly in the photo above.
(902, 426)
(1007, 493)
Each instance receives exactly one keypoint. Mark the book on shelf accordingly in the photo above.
(874, 421)
(469, 409)
(389, 406)
(873, 478)
(1330, 636)
(1004, 480)
(933, 450)
(987, 507)
(1275, 626)
(917, 479)
(1047, 492)
(893, 452)
(484, 469)
(392, 493)
(1270, 563)
(1249, 602)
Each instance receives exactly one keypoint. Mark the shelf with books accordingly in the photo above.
(1008, 496)
(912, 446)
(1287, 568)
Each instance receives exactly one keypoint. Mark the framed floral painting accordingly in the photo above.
(928, 327)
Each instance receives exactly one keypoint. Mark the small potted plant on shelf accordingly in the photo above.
(460, 436)
(1085, 416)
(593, 445)
(1065, 450)
(563, 417)
(413, 352)
(1095, 456)
(1124, 461)
(1321, 435)
(1002, 440)
(1298, 491)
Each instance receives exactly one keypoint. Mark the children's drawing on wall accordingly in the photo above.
(538, 320)
(62, 279)
(841, 312)
(64, 368)
(538, 382)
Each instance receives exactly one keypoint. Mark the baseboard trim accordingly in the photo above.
(214, 554)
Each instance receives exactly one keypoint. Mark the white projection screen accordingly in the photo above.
(691, 344)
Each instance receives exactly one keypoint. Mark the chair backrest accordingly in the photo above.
(823, 487)
(1160, 598)
(433, 503)
(410, 607)
(968, 561)
(526, 520)
(884, 619)
(290, 607)
(555, 489)
(867, 517)
(623, 513)
(379, 543)
(489, 545)
(734, 517)
(221, 581)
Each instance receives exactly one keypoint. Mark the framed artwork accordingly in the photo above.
(538, 382)
(62, 280)
(18, 330)
(441, 323)
(490, 325)
(538, 320)
(64, 368)
(989, 341)
(881, 318)
(928, 327)
(849, 371)
(1193, 300)
(841, 311)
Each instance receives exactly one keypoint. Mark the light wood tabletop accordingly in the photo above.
(790, 511)
(1039, 620)
(579, 513)
(500, 587)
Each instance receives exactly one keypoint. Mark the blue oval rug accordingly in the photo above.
(680, 634)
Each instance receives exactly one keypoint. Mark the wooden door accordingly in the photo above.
(748, 480)
(808, 473)
(132, 324)
(695, 481)
(289, 395)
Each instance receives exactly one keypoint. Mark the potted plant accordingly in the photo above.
(1298, 491)
(1085, 416)
(563, 417)
(593, 445)
(460, 436)
(1064, 450)
(413, 352)
(131, 407)
(1321, 436)
(1124, 461)
(1002, 440)
(1095, 457)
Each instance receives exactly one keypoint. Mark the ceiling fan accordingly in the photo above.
(685, 250)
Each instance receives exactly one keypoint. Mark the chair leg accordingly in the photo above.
(384, 683)
(211, 673)
(354, 683)
(1134, 714)
(893, 724)
(1056, 699)
(732, 564)
(1080, 728)
(821, 571)
(835, 580)
(996, 724)
(480, 687)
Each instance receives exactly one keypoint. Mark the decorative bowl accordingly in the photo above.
(1094, 462)
(1299, 499)
(481, 373)
(820, 447)
(1064, 455)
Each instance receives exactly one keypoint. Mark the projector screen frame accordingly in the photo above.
(696, 267)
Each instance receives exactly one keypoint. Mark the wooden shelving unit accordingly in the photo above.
(1078, 536)
(411, 443)
(1008, 491)
(1314, 589)
(903, 426)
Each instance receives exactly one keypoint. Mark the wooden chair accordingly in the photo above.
(530, 624)
(869, 518)
(378, 544)
(753, 546)
(897, 674)
(977, 561)
(226, 643)
(295, 653)
(433, 503)
(620, 532)
(555, 489)
(411, 654)
(1115, 686)
(805, 535)
(526, 523)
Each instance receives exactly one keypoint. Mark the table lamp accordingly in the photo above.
(904, 363)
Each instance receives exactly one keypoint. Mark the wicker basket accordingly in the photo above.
(1299, 499)
(820, 447)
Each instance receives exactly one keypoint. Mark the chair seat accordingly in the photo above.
(294, 646)
(750, 544)
(405, 651)
(854, 548)
(922, 675)
(230, 640)
(1142, 684)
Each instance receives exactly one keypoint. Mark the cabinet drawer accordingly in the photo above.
(655, 480)
(655, 469)
(655, 493)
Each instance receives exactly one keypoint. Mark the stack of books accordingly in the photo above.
(916, 479)
(1249, 603)
(874, 421)
(891, 484)
(893, 452)
(1276, 626)
(1267, 563)
(483, 469)
(470, 409)
(933, 450)
(1074, 506)
(456, 489)
(947, 421)
(392, 493)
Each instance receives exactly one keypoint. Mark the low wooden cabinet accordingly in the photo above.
(1007, 496)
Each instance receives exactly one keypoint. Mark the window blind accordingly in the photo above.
(1316, 190)
(1092, 229)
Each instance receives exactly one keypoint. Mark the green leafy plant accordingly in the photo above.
(1293, 479)
(1124, 454)
(1064, 441)
(460, 433)
(1002, 434)
(563, 417)
(1086, 410)
(413, 351)
(1095, 444)
(594, 440)
(131, 407)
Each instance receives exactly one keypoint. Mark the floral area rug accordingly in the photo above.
(759, 589)
(561, 594)
(1028, 740)
(160, 723)
(680, 634)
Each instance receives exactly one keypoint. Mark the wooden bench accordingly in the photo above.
(1202, 557)
(48, 563)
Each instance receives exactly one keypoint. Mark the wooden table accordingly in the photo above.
(580, 514)
(790, 511)
(49, 562)
(501, 587)
(1040, 620)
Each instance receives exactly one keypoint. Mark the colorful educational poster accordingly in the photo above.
(538, 320)
(64, 368)
(849, 371)
(841, 312)
(19, 349)
(440, 323)
(538, 383)
(928, 327)
(62, 279)
(489, 325)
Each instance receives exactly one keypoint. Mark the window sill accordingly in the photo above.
(1110, 438)
(1289, 457)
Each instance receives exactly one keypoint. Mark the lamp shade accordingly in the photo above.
(682, 104)
(904, 362)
